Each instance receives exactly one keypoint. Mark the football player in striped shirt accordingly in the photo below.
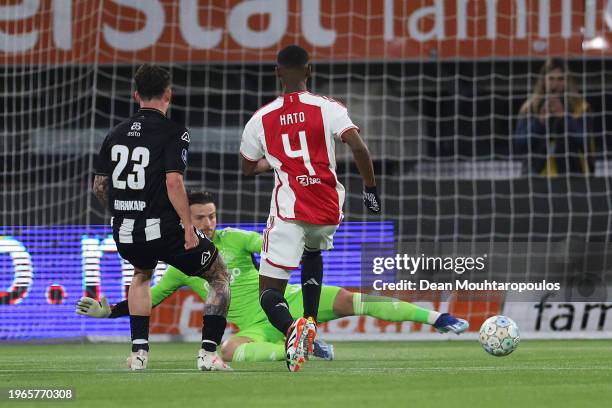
(139, 178)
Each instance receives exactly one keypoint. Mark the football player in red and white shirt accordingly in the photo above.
(295, 135)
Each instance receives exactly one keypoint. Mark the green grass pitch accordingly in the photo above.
(377, 374)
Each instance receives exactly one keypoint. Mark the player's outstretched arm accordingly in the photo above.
(178, 197)
(90, 307)
(169, 283)
(362, 158)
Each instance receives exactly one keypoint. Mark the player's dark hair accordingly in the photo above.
(292, 56)
(200, 197)
(151, 81)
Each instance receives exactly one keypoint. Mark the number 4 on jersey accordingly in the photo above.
(302, 152)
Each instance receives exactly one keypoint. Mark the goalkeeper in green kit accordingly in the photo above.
(257, 339)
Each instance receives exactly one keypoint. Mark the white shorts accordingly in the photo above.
(285, 241)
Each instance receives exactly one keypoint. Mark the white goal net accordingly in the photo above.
(454, 99)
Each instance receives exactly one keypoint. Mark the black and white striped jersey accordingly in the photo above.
(136, 155)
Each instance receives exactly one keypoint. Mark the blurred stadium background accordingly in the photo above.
(436, 87)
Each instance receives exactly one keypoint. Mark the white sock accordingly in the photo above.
(433, 316)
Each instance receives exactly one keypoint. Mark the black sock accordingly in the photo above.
(312, 275)
(139, 326)
(119, 310)
(212, 331)
(274, 304)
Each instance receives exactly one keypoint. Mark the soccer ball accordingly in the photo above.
(499, 336)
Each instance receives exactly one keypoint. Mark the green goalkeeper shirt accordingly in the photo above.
(236, 247)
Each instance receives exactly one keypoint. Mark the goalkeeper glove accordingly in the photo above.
(371, 200)
(87, 306)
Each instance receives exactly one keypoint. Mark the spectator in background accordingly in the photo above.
(552, 127)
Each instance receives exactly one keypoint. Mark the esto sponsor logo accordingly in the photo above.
(307, 180)
(135, 129)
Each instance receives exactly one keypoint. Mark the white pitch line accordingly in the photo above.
(328, 369)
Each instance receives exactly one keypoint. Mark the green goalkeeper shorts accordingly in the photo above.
(263, 331)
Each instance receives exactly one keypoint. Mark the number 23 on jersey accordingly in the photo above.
(140, 159)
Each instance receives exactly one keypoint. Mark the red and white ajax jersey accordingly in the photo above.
(296, 133)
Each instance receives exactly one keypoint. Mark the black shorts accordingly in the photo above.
(171, 250)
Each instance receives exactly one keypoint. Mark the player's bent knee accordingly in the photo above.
(218, 275)
(221, 281)
(145, 274)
